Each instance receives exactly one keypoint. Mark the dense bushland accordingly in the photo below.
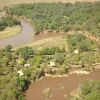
(89, 90)
(61, 17)
(80, 42)
(8, 22)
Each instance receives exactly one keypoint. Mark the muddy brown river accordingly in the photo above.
(58, 87)
(27, 35)
(20, 39)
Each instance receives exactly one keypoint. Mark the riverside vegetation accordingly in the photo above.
(8, 22)
(89, 90)
(9, 26)
(61, 17)
(35, 63)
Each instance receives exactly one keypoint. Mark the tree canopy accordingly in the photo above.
(61, 16)
(8, 22)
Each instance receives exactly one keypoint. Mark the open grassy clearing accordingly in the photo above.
(49, 42)
(10, 31)
(10, 2)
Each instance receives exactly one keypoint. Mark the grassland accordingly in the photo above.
(10, 31)
(49, 42)
(11, 2)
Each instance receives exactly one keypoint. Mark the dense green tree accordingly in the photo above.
(59, 58)
(52, 51)
(95, 95)
(80, 42)
(8, 48)
(8, 22)
(86, 88)
(26, 52)
(89, 91)
(37, 60)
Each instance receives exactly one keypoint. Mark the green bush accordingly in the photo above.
(95, 95)
(52, 51)
(8, 22)
(80, 42)
(26, 52)
(89, 90)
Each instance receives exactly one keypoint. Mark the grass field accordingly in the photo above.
(10, 31)
(11, 2)
(49, 42)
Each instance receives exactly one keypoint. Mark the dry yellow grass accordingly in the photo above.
(49, 42)
(10, 2)
(10, 31)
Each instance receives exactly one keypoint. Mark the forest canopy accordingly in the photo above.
(61, 17)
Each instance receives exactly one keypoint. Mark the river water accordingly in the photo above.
(24, 37)
(27, 35)
(58, 86)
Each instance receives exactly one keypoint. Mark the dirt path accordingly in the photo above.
(92, 37)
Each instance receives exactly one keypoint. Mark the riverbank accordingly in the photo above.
(78, 72)
(10, 31)
(18, 40)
